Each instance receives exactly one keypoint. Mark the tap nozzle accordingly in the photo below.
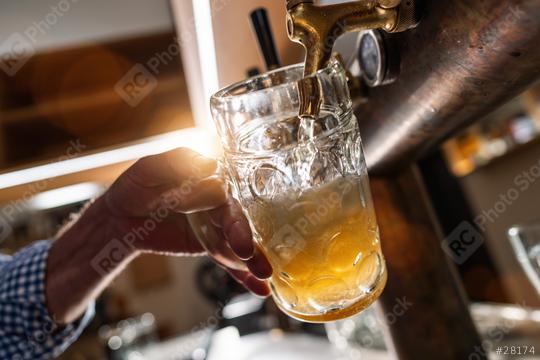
(318, 27)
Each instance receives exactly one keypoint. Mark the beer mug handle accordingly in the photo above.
(213, 243)
(209, 238)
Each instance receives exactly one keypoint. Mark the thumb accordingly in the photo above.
(140, 189)
(196, 196)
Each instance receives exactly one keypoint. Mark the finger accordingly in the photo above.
(254, 285)
(206, 194)
(236, 230)
(138, 191)
(259, 265)
(257, 287)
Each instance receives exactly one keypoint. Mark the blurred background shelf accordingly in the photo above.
(512, 128)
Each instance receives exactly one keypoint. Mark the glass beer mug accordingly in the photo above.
(304, 188)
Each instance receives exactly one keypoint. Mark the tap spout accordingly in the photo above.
(318, 27)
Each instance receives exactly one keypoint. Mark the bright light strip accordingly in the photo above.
(514, 313)
(194, 138)
(202, 11)
(64, 196)
(246, 305)
(227, 344)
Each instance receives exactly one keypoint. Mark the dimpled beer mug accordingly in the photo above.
(303, 185)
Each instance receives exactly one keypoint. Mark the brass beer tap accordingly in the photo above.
(318, 27)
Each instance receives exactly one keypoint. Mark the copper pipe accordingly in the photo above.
(462, 61)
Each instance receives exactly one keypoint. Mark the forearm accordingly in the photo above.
(74, 278)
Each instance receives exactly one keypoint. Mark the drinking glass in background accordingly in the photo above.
(525, 240)
(303, 185)
(363, 336)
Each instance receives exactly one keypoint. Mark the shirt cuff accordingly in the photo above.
(24, 317)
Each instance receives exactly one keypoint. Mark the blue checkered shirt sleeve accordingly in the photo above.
(26, 329)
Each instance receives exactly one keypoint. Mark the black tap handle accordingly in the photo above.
(265, 38)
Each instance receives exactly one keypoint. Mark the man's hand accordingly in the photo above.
(184, 182)
(154, 194)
